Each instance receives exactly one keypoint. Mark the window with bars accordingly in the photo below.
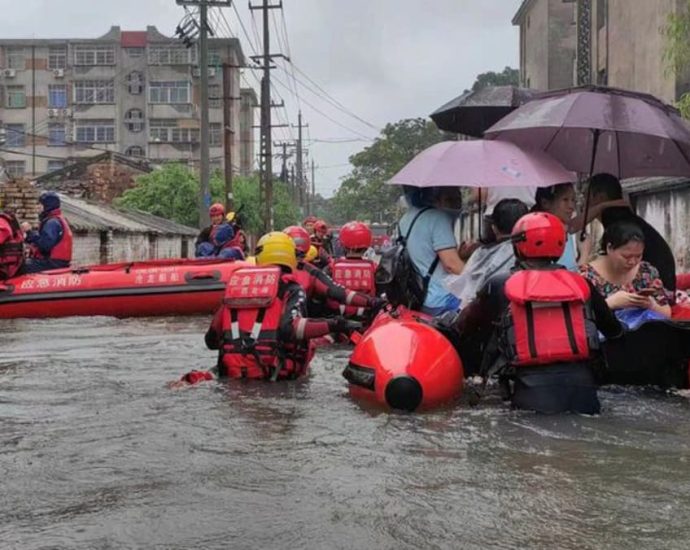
(134, 120)
(184, 135)
(55, 165)
(135, 151)
(57, 58)
(171, 55)
(135, 82)
(15, 168)
(94, 55)
(95, 131)
(57, 96)
(215, 136)
(169, 92)
(94, 91)
(159, 129)
(16, 97)
(135, 52)
(15, 58)
(215, 96)
(56, 135)
(15, 135)
(214, 58)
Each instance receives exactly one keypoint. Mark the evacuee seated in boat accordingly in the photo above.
(50, 247)
(11, 246)
(262, 330)
(546, 342)
(621, 275)
(609, 206)
(217, 215)
(223, 244)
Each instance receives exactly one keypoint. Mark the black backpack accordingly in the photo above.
(398, 278)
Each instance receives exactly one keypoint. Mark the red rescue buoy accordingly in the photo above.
(404, 364)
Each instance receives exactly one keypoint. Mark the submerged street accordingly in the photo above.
(96, 452)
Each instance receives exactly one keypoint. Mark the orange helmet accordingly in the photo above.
(216, 209)
(320, 228)
(355, 235)
(539, 235)
(301, 238)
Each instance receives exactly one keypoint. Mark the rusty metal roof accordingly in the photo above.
(90, 216)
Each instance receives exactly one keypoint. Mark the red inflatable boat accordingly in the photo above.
(151, 288)
(404, 364)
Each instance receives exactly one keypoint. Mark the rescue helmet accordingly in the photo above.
(216, 209)
(311, 254)
(50, 200)
(230, 217)
(355, 235)
(320, 228)
(539, 236)
(276, 248)
(309, 220)
(300, 236)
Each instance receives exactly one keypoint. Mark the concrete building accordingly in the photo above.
(135, 93)
(547, 43)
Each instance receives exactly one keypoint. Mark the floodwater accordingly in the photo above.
(96, 452)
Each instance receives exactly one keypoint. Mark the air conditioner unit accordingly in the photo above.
(196, 72)
(9, 73)
(59, 73)
(53, 113)
(211, 72)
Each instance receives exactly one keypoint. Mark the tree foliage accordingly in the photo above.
(172, 192)
(676, 54)
(508, 77)
(364, 194)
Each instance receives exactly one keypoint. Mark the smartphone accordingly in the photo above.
(646, 292)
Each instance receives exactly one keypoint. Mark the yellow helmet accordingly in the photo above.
(230, 217)
(311, 254)
(276, 248)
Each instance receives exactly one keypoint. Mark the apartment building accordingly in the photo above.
(133, 92)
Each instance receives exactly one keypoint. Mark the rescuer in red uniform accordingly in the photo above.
(262, 330)
(547, 339)
(11, 246)
(51, 245)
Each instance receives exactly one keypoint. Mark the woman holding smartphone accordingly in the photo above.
(621, 276)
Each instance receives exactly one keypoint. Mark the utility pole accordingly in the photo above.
(204, 160)
(266, 158)
(313, 184)
(300, 156)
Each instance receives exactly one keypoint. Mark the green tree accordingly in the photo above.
(676, 54)
(508, 77)
(364, 194)
(172, 192)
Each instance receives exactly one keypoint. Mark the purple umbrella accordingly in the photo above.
(481, 163)
(595, 129)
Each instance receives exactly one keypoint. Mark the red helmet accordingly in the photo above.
(355, 235)
(309, 220)
(320, 228)
(300, 236)
(216, 209)
(539, 235)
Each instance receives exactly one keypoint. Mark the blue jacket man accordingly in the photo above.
(51, 245)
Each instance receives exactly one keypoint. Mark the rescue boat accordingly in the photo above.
(403, 363)
(136, 289)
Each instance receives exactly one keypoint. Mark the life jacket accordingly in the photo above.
(357, 275)
(63, 249)
(250, 324)
(548, 320)
(12, 248)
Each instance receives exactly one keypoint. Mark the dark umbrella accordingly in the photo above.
(473, 112)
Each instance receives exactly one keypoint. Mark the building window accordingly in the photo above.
(95, 131)
(602, 13)
(169, 92)
(135, 151)
(135, 82)
(15, 135)
(16, 97)
(185, 135)
(159, 129)
(215, 134)
(134, 120)
(215, 96)
(214, 59)
(57, 96)
(15, 58)
(57, 58)
(171, 55)
(56, 135)
(15, 168)
(55, 165)
(94, 55)
(135, 52)
(94, 91)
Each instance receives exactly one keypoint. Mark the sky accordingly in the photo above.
(379, 60)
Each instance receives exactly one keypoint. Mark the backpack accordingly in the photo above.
(397, 277)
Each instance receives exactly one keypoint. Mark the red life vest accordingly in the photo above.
(63, 249)
(357, 275)
(549, 319)
(12, 247)
(250, 324)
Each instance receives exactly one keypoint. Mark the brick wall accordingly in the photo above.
(102, 182)
(20, 197)
(86, 248)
